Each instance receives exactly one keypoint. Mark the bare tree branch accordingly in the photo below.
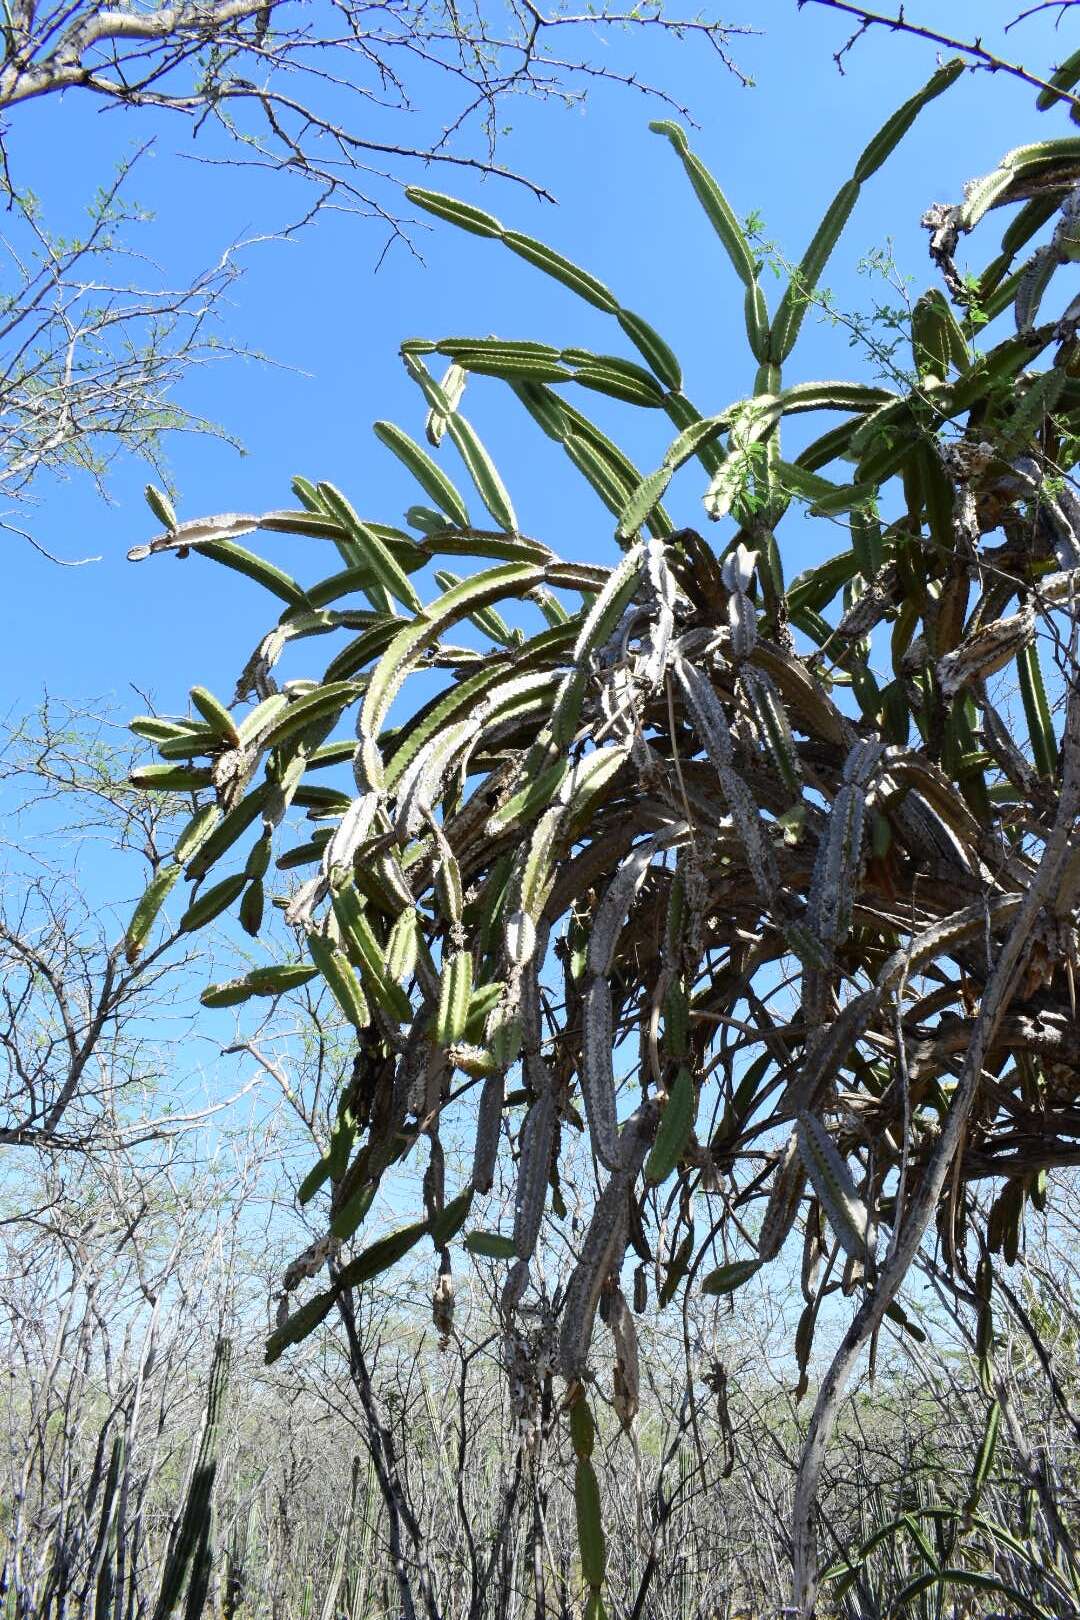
(322, 91)
(93, 342)
(205, 59)
(981, 56)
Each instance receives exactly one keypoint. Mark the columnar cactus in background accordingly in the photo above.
(752, 877)
(190, 1554)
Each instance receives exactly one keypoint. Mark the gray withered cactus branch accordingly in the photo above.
(1007, 967)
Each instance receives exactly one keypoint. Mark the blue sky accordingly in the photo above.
(333, 326)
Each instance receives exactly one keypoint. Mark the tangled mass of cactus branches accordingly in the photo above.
(754, 879)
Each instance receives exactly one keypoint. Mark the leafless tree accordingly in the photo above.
(312, 88)
(77, 1071)
(93, 341)
(92, 345)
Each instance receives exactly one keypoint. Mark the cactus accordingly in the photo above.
(189, 1554)
(341, 1551)
(670, 726)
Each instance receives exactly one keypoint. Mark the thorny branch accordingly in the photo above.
(975, 49)
(91, 349)
(302, 67)
(90, 358)
(77, 1075)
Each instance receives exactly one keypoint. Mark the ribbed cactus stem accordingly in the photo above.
(189, 1550)
(100, 1572)
(337, 1570)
